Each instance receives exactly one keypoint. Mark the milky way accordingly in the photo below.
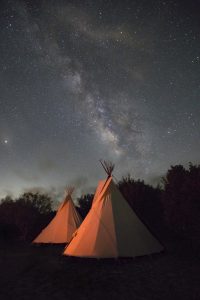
(81, 81)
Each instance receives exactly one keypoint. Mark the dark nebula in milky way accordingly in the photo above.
(84, 80)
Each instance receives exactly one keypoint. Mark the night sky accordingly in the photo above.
(85, 80)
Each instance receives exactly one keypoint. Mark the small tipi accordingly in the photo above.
(63, 225)
(111, 228)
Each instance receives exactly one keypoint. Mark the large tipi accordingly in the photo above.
(63, 225)
(111, 228)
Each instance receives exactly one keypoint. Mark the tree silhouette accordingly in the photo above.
(25, 216)
(41, 202)
(84, 204)
(181, 200)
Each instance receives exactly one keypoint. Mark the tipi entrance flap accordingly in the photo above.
(105, 244)
(94, 238)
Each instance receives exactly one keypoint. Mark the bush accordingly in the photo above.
(84, 204)
(25, 217)
(181, 200)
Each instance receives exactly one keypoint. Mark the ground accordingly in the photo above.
(30, 272)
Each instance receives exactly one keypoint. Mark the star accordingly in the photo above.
(85, 81)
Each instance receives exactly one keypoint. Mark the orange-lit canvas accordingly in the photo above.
(63, 225)
(111, 228)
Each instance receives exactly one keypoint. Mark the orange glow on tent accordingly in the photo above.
(111, 228)
(63, 225)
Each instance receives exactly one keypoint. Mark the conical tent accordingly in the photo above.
(112, 229)
(63, 225)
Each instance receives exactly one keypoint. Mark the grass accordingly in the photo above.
(28, 272)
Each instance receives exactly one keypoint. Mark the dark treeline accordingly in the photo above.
(172, 208)
(24, 217)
